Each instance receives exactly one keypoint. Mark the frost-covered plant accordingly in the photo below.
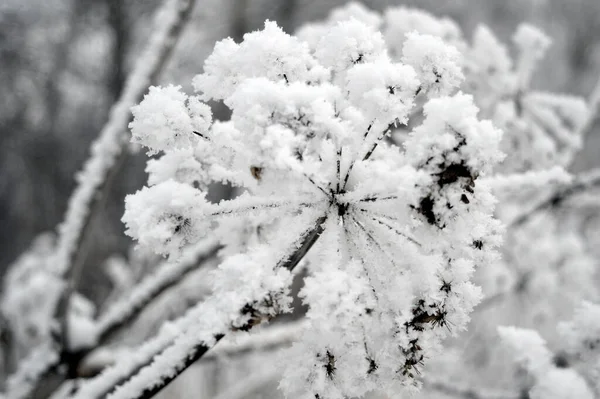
(355, 153)
(398, 229)
(541, 129)
(546, 268)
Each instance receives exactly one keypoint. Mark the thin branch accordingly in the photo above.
(375, 144)
(582, 183)
(133, 362)
(376, 214)
(353, 247)
(167, 276)
(232, 207)
(122, 313)
(310, 179)
(23, 382)
(107, 149)
(270, 338)
(373, 240)
(373, 199)
(353, 162)
(338, 170)
(390, 227)
(532, 179)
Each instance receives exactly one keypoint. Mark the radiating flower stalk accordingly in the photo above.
(397, 229)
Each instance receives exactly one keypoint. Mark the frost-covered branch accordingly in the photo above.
(168, 275)
(24, 382)
(517, 182)
(585, 181)
(107, 148)
(267, 339)
(170, 20)
(264, 340)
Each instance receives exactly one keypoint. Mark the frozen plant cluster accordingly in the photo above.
(541, 130)
(546, 269)
(397, 229)
(360, 165)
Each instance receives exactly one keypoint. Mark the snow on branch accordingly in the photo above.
(585, 181)
(531, 179)
(31, 369)
(267, 339)
(168, 275)
(170, 20)
(135, 359)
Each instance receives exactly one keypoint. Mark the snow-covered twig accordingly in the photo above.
(135, 359)
(583, 182)
(268, 339)
(265, 340)
(23, 383)
(532, 179)
(106, 150)
(170, 21)
(167, 276)
(123, 312)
